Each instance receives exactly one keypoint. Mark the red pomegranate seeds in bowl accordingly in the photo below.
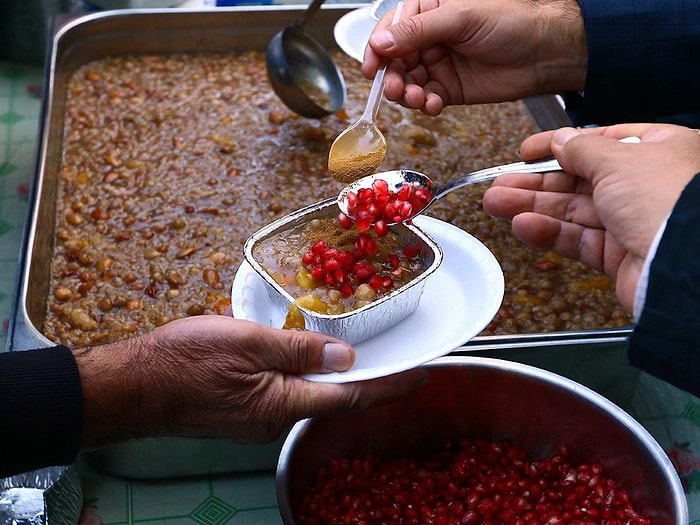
(485, 441)
(335, 279)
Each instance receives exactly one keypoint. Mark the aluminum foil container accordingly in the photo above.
(49, 496)
(369, 320)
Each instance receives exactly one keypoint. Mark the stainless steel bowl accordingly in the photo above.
(369, 320)
(493, 399)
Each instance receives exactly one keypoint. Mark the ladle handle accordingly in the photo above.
(310, 11)
(487, 174)
(377, 89)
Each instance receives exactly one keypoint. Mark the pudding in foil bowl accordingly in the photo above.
(377, 283)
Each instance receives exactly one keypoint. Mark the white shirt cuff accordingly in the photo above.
(640, 294)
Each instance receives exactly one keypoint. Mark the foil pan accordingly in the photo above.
(369, 320)
(49, 496)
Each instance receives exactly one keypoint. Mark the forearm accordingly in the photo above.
(642, 61)
(666, 340)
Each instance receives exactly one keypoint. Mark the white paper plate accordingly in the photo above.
(459, 300)
(352, 32)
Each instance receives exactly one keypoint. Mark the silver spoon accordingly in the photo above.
(397, 178)
(302, 72)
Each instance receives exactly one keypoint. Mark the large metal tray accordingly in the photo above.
(80, 40)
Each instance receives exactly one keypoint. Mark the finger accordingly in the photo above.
(300, 352)
(537, 146)
(507, 202)
(312, 399)
(540, 145)
(554, 181)
(395, 83)
(568, 239)
(380, 38)
(371, 62)
(415, 31)
(579, 151)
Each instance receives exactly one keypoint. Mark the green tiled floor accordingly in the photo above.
(20, 106)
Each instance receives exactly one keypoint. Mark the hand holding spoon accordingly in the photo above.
(394, 208)
(358, 150)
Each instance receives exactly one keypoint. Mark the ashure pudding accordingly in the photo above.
(335, 270)
(168, 163)
(333, 278)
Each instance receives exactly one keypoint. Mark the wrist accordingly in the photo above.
(563, 62)
(113, 393)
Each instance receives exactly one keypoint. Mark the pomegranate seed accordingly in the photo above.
(363, 270)
(465, 482)
(404, 192)
(380, 186)
(381, 227)
(365, 194)
(346, 258)
(340, 276)
(410, 251)
(379, 203)
(344, 269)
(375, 282)
(319, 248)
(347, 290)
(363, 223)
(352, 200)
(317, 272)
(330, 265)
(345, 221)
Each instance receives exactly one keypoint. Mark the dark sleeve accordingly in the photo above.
(666, 340)
(40, 409)
(643, 62)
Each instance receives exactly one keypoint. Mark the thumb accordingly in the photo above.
(305, 352)
(560, 138)
(410, 34)
(580, 153)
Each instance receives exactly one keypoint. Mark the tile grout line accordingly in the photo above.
(8, 137)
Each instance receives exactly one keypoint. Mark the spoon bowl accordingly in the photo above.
(302, 73)
(360, 149)
(357, 151)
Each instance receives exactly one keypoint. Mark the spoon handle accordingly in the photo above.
(488, 174)
(377, 89)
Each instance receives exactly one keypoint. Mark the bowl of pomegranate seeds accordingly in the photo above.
(484, 441)
(330, 277)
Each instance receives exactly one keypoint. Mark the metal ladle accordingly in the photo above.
(301, 71)
(397, 178)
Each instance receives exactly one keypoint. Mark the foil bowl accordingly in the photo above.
(369, 320)
(48, 496)
(491, 399)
